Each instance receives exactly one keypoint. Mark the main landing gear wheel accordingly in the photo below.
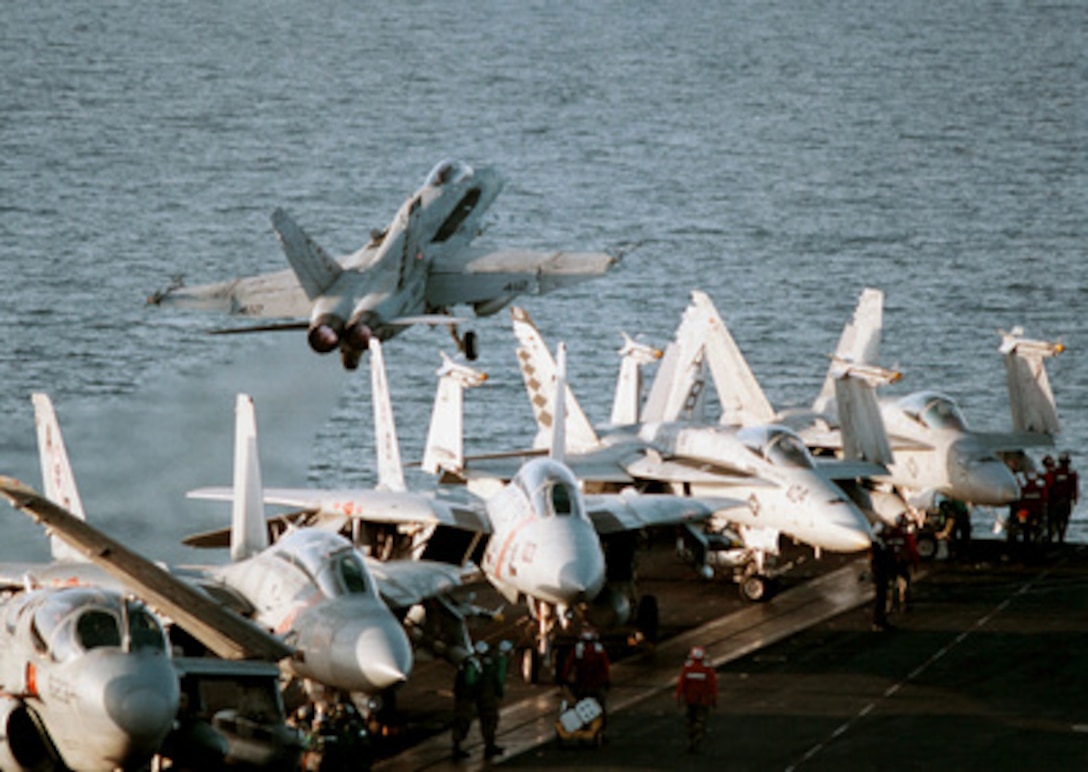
(927, 545)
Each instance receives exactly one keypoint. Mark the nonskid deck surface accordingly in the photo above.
(984, 672)
(732, 628)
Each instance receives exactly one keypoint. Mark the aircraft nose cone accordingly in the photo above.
(144, 713)
(991, 484)
(384, 656)
(580, 580)
(846, 527)
(143, 706)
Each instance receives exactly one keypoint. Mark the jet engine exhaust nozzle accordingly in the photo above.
(358, 336)
(324, 334)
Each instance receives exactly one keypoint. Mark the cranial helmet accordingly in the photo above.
(697, 653)
(482, 647)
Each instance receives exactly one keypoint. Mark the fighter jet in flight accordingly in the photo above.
(410, 273)
(308, 601)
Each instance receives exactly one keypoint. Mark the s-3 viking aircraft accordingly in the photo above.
(537, 539)
(314, 604)
(86, 680)
(932, 449)
(410, 273)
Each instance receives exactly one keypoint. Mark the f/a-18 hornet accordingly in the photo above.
(410, 273)
(86, 680)
(934, 451)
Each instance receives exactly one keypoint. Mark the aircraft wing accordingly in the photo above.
(371, 505)
(612, 513)
(598, 466)
(653, 466)
(404, 583)
(465, 277)
(830, 438)
(835, 469)
(1009, 441)
(224, 632)
(271, 295)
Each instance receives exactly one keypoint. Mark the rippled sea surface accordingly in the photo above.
(779, 156)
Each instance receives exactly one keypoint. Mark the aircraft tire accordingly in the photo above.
(648, 618)
(755, 588)
(927, 545)
(471, 346)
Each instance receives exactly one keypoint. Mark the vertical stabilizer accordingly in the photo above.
(859, 343)
(680, 379)
(742, 399)
(864, 437)
(387, 446)
(1030, 398)
(316, 271)
(248, 531)
(557, 448)
(625, 403)
(58, 482)
(445, 438)
(538, 372)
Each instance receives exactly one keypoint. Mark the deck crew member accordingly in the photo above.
(697, 691)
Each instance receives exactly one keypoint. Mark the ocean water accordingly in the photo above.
(778, 156)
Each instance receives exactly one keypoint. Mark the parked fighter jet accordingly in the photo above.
(312, 589)
(410, 273)
(768, 466)
(86, 680)
(934, 451)
(537, 539)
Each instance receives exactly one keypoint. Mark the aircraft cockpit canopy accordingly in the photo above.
(553, 492)
(69, 623)
(933, 410)
(447, 171)
(330, 562)
(776, 444)
(343, 574)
